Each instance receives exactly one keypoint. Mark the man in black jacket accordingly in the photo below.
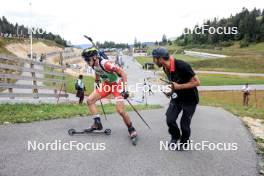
(184, 94)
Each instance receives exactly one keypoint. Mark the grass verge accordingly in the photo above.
(244, 64)
(232, 101)
(224, 64)
(249, 59)
(24, 113)
(70, 81)
(222, 79)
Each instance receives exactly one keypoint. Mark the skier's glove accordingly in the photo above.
(125, 94)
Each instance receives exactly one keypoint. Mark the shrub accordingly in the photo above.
(243, 43)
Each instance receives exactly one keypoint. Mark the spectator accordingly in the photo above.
(80, 87)
(246, 94)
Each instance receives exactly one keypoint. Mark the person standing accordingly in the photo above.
(246, 94)
(80, 87)
(184, 95)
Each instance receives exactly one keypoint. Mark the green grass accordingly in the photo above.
(238, 65)
(260, 143)
(244, 64)
(70, 81)
(141, 59)
(234, 50)
(255, 49)
(22, 113)
(50, 43)
(189, 59)
(221, 79)
(249, 59)
(88, 81)
(3, 43)
(232, 101)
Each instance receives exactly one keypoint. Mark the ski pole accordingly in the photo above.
(102, 106)
(91, 40)
(138, 113)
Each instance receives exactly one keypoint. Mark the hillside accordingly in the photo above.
(21, 47)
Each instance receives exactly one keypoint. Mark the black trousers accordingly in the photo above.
(172, 114)
(80, 94)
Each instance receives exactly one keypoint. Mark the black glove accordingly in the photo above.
(125, 94)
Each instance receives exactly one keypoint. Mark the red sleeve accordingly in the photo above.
(111, 67)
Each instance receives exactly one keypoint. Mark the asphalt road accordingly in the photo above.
(120, 157)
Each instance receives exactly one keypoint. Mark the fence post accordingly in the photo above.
(10, 90)
(34, 81)
(53, 83)
(63, 70)
(256, 99)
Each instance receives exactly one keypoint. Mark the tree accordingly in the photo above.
(164, 40)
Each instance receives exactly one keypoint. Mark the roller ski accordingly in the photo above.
(97, 127)
(87, 131)
(133, 135)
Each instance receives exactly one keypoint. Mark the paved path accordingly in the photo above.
(121, 158)
(204, 55)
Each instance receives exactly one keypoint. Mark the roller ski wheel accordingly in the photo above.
(134, 140)
(71, 132)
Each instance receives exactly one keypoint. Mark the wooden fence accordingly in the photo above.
(53, 75)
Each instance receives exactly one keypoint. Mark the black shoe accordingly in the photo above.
(173, 144)
(184, 145)
(173, 140)
(132, 132)
(97, 125)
